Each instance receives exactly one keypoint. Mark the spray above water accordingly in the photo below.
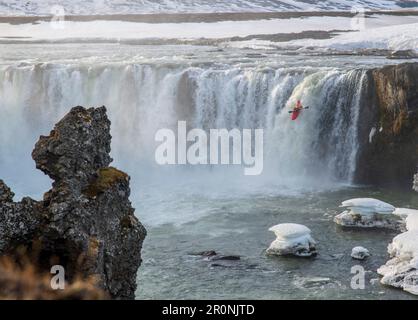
(223, 147)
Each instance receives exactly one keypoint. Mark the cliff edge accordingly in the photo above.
(388, 127)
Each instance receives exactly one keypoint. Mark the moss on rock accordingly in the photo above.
(106, 178)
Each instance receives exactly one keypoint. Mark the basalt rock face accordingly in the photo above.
(388, 127)
(18, 220)
(85, 222)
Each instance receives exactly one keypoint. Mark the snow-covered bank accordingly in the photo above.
(396, 37)
(38, 7)
(132, 30)
(401, 271)
(229, 31)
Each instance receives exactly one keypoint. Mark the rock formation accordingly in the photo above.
(368, 213)
(360, 253)
(85, 222)
(388, 127)
(292, 239)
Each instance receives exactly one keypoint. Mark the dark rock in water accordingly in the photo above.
(403, 54)
(208, 253)
(224, 258)
(219, 260)
(85, 222)
(388, 127)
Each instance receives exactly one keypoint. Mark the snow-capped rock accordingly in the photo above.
(368, 206)
(360, 253)
(292, 239)
(367, 213)
(401, 271)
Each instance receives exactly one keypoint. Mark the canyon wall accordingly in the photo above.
(388, 127)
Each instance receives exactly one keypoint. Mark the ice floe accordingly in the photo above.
(292, 239)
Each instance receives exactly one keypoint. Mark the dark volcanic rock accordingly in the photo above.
(388, 128)
(85, 222)
(6, 195)
(78, 146)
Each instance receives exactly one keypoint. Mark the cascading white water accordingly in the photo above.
(144, 98)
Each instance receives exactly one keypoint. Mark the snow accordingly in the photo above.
(405, 212)
(367, 213)
(402, 270)
(365, 206)
(72, 7)
(372, 134)
(104, 29)
(405, 244)
(396, 37)
(360, 253)
(292, 239)
(412, 222)
(290, 230)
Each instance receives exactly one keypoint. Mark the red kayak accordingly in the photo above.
(296, 113)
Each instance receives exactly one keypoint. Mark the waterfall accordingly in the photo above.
(142, 98)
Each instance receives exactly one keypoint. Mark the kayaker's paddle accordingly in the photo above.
(301, 109)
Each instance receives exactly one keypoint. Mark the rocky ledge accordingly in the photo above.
(85, 222)
(388, 127)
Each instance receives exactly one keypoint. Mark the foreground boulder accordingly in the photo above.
(292, 239)
(85, 222)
